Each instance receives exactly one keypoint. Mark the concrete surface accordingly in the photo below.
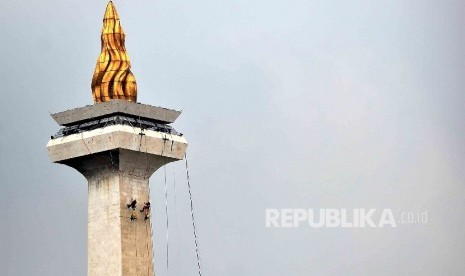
(72, 116)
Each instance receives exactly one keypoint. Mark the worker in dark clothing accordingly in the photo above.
(133, 205)
(146, 206)
(146, 210)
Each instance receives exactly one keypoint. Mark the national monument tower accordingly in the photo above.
(117, 144)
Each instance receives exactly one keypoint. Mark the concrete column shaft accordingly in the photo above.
(117, 245)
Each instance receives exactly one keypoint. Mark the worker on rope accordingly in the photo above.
(132, 205)
(133, 216)
(146, 210)
(146, 207)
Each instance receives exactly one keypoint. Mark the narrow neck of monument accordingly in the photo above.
(124, 162)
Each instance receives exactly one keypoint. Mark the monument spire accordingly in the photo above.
(112, 77)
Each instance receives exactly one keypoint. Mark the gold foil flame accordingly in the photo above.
(112, 76)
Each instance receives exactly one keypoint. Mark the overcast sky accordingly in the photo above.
(287, 104)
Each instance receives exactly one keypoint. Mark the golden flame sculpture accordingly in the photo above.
(112, 76)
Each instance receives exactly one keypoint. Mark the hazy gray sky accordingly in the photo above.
(287, 104)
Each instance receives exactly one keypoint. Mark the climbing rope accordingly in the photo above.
(176, 215)
(151, 236)
(167, 224)
(193, 219)
(135, 244)
(150, 217)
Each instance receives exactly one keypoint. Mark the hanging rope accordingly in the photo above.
(147, 246)
(176, 216)
(135, 244)
(151, 235)
(167, 224)
(193, 219)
